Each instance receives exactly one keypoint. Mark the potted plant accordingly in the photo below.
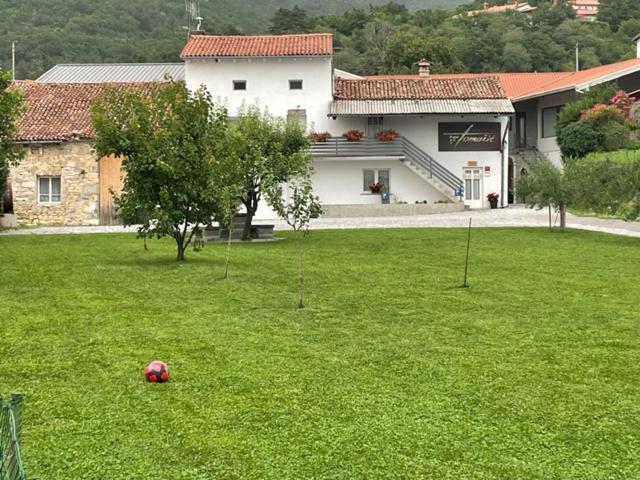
(387, 135)
(376, 187)
(353, 135)
(493, 199)
(320, 137)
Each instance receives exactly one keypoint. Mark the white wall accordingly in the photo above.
(549, 145)
(340, 182)
(268, 84)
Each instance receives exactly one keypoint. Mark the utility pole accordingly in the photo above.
(13, 61)
(577, 57)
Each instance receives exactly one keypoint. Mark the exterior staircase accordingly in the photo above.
(413, 157)
(432, 172)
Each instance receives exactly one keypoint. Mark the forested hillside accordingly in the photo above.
(72, 31)
(387, 38)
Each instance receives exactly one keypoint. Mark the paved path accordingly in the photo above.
(517, 216)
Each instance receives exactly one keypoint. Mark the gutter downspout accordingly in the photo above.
(504, 141)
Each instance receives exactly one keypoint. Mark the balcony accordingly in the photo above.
(367, 147)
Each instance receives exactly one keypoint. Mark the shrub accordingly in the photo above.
(572, 111)
(615, 137)
(606, 183)
(580, 138)
(601, 114)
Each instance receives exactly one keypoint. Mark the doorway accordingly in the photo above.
(473, 187)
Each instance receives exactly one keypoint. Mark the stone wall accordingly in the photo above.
(76, 164)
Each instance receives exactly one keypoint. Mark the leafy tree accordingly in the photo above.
(11, 108)
(295, 20)
(614, 12)
(545, 185)
(572, 111)
(407, 47)
(169, 140)
(298, 210)
(269, 151)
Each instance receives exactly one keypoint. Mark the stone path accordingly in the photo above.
(517, 216)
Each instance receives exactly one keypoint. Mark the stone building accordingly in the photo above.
(61, 181)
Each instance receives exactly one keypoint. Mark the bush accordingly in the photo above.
(606, 183)
(601, 114)
(572, 111)
(579, 139)
(616, 137)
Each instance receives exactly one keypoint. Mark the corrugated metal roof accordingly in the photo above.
(113, 73)
(418, 107)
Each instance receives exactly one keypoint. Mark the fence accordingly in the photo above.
(10, 430)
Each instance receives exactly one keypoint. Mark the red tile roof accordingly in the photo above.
(61, 111)
(519, 86)
(418, 89)
(258, 46)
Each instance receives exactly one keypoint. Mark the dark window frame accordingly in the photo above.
(296, 82)
(237, 84)
(542, 112)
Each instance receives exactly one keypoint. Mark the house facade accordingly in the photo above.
(459, 136)
(452, 133)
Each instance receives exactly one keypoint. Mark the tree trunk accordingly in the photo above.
(181, 248)
(300, 271)
(226, 265)
(251, 205)
(563, 216)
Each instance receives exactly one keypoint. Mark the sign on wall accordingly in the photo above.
(469, 137)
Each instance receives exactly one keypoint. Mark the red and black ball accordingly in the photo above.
(157, 372)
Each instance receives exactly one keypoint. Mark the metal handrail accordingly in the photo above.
(400, 147)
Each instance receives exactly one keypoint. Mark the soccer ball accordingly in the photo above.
(157, 372)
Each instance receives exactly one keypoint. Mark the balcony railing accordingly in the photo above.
(367, 147)
(400, 148)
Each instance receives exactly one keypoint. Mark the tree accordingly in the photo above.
(614, 12)
(169, 139)
(298, 210)
(11, 108)
(545, 185)
(295, 20)
(269, 151)
(579, 138)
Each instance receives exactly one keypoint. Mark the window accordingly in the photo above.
(549, 119)
(239, 84)
(49, 189)
(295, 84)
(374, 126)
(297, 116)
(376, 175)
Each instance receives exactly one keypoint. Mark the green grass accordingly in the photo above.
(392, 372)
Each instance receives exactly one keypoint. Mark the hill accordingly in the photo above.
(73, 31)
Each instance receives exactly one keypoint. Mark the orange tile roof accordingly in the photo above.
(61, 111)
(520, 86)
(258, 46)
(514, 84)
(419, 89)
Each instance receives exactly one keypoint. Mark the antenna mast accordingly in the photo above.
(194, 20)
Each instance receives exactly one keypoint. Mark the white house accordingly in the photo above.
(453, 132)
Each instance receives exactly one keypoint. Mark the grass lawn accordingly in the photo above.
(392, 372)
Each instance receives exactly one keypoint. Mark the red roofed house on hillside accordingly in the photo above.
(586, 9)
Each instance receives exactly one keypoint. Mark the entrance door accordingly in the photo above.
(473, 187)
(111, 180)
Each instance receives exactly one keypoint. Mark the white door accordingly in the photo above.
(473, 187)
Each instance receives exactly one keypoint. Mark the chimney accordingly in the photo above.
(637, 40)
(424, 68)
(485, 6)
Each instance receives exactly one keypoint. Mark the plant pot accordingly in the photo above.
(494, 204)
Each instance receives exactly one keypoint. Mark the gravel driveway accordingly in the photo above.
(515, 216)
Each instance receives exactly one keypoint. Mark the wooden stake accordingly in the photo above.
(466, 263)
